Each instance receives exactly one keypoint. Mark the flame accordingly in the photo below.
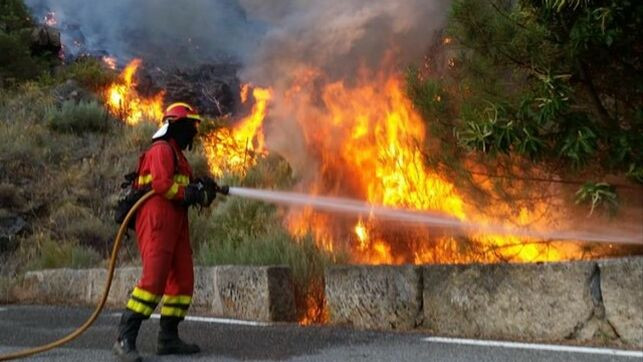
(244, 92)
(368, 140)
(110, 62)
(124, 102)
(236, 149)
(50, 19)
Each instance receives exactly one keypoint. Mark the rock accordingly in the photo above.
(549, 301)
(622, 290)
(71, 91)
(11, 226)
(45, 39)
(213, 88)
(252, 293)
(380, 297)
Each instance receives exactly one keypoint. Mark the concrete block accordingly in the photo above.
(251, 293)
(549, 301)
(123, 283)
(56, 285)
(380, 297)
(622, 291)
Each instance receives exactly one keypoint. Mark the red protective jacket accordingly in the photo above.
(162, 233)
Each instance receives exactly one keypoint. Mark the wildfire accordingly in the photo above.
(367, 139)
(236, 149)
(124, 101)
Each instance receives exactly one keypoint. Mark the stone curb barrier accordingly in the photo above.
(600, 301)
(622, 291)
(381, 297)
(596, 301)
(241, 292)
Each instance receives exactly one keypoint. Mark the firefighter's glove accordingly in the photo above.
(211, 188)
(194, 194)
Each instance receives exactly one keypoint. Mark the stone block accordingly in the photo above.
(249, 292)
(622, 290)
(123, 283)
(66, 286)
(548, 301)
(379, 297)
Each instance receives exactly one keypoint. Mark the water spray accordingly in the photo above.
(426, 218)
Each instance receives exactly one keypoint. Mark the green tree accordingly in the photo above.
(17, 63)
(553, 82)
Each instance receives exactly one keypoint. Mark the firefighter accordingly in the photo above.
(163, 236)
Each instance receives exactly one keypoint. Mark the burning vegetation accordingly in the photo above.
(123, 100)
(363, 141)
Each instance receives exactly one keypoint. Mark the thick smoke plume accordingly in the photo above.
(269, 37)
(162, 32)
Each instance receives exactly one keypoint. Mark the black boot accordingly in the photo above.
(125, 346)
(169, 341)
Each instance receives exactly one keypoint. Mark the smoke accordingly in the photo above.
(327, 41)
(337, 36)
(162, 32)
(268, 37)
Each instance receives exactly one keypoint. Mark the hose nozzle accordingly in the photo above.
(223, 190)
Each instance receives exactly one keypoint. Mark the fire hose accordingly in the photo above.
(108, 283)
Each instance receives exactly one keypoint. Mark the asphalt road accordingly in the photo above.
(23, 326)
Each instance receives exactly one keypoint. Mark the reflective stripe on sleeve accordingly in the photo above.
(182, 180)
(174, 189)
(145, 179)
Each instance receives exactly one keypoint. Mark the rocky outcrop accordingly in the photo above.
(382, 297)
(11, 226)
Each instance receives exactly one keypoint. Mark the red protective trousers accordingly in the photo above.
(163, 234)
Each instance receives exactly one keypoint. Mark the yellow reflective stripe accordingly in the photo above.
(139, 307)
(144, 180)
(182, 180)
(174, 189)
(177, 299)
(173, 311)
(143, 294)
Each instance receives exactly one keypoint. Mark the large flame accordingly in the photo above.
(124, 101)
(367, 139)
(236, 149)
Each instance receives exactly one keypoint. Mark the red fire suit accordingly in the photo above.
(163, 234)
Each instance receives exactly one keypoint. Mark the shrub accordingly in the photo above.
(90, 73)
(55, 254)
(80, 118)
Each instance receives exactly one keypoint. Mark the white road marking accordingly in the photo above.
(2, 309)
(542, 347)
(213, 320)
